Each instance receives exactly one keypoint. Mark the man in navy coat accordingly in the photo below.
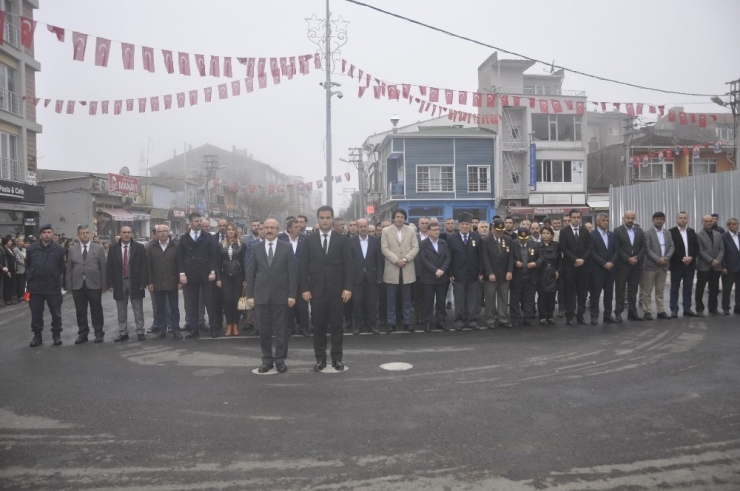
(298, 314)
(367, 265)
(731, 267)
(466, 272)
(602, 271)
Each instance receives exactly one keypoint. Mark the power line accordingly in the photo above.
(480, 43)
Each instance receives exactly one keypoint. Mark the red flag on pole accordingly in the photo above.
(462, 97)
(168, 62)
(127, 53)
(147, 54)
(183, 60)
(490, 100)
(102, 51)
(79, 43)
(433, 94)
(28, 27)
(477, 98)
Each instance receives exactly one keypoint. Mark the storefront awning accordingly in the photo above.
(118, 214)
(159, 214)
(546, 210)
(598, 203)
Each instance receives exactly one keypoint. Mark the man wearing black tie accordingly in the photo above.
(683, 264)
(631, 245)
(326, 281)
(603, 269)
(577, 247)
(86, 270)
(466, 272)
(367, 262)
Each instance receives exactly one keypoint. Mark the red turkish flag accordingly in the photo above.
(682, 118)
(556, 107)
(169, 64)
(46, 102)
(504, 99)
(58, 106)
(346, 175)
(261, 66)
(685, 150)
(270, 189)
(693, 118)
(168, 101)
(714, 117)
(102, 51)
(142, 104)
(669, 154)
(104, 107)
(276, 78)
(671, 116)
(181, 99)
(262, 81)
(274, 67)
(516, 100)
(344, 65)
(236, 88)
(208, 93)
(79, 43)
(70, 107)
(56, 30)
(351, 71)
(603, 106)
(127, 53)
(490, 100)
(367, 80)
(214, 67)
(462, 97)
(630, 109)
(117, 106)
(376, 91)
(477, 99)
(449, 96)
(532, 102)
(317, 61)
(360, 73)
(183, 60)
(422, 90)
(406, 90)
(250, 67)
(250, 84)
(154, 103)
(433, 94)
(703, 121)
(569, 104)
(200, 63)
(361, 91)
(227, 67)
(147, 54)
(28, 27)
(580, 108)
(223, 91)
(93, 109)
(193, 95)
(393, 92)
(652, 110)
(284, 66)
(291, 67)
(544, 108)
(639, 108)
(661, 109)
(129, 104)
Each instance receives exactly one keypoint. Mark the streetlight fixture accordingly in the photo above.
(732, 104)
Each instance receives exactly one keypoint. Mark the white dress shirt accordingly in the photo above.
(605, 236)
(685, 236)
(164, 246)
(267, 247)
(363, 245)
(661, 241)
(735, 240)
(294, 243)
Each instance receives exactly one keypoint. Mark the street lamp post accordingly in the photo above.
(733, 103)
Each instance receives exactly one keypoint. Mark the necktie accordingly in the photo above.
(576, 231)
(465, 239)
(222, 238)
(196, 237)
(125, 261)
(84, 252)
(326, 243)
(270, 255)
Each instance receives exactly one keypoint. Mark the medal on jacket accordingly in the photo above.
(473, 242)
(531, 252)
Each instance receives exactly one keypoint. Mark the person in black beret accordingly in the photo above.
(466, 272)
(524, 279)
(44, 266)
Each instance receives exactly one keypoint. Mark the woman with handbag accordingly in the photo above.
(549, 251)
(230, 276)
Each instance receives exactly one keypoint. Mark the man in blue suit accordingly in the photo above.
(298, 314)
(602, 269)
(367, 265)
(731, 267)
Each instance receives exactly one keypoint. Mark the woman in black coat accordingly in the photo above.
(550, 271)
(230, 276)
(9, 295)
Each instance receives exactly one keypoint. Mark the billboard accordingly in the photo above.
(119, 185)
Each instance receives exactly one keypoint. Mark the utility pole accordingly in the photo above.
(210, 167)
(628, 132)
(355, 158)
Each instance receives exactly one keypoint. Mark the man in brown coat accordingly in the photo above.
(399, 245)
(164, 281)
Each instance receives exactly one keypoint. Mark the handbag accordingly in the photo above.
(242, 304)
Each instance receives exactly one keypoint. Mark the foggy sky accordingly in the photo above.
(676, 45)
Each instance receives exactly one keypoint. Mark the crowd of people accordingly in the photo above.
(389, 276)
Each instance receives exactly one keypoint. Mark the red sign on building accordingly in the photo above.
(119, 185)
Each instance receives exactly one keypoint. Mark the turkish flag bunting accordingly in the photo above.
(317, 61)
(270, 189)
(393, 92)
(682, 118)
(603, 106)
(193, 96)
(427, 106)
(250, 84)
(490, 100)
(250, 67)
(669, 154)
(56, 30)
(504, 100)
(276, 78)
(556, 107)
(376, 91)
(303, 65)
(580, 108)
(309, 186)
(406, 90)
(652, 110)
(284, 66)
(421, 106)
(200, 62)
(104, 107)
(630, 109)
(236, 88)
(422, 90)
(291, 67)
(154, 103)
(117, 107)
(451, 115)
(262, 81)
(223, 91)
(693, 118)
(685, 149)
(169, 63)
(28, 27)
(168, 101)
(127, 53)
(346, 175)
(208, 94)
(93, 109)
(129, 104)
(46, 102)
(367, 80)
(214, 67)
(661, 109)
(462, 97)
(544, 108)
(434, 109)
(569, 104)
(147, 54)
(102, 51)
(671, 116)
(532, 102)
(70, 107)
(58, 106)
(183, 60)
(639, 108)
(181, 99)
(477, 99)
(79, 43)
(142, 104)
(433, 94)
(617, 105)
(703, 121)
(361, 91)
(344, 66)
(516, 100)
(351, 71)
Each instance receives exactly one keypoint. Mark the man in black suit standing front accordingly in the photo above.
(731, 267)
(434, 262)
(683, 264)
(577, 247)
(603, 269)
(326, 281)
(367, 263)
(197, 260)
(466, 272)
(631, 245)
(299, 313)
(272, 279)
(126, 275)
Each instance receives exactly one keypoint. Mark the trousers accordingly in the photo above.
(83, 298)
(137, 305)
(271, 320)
(36, 304)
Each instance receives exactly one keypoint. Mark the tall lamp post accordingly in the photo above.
(732, 104)
(333, 37)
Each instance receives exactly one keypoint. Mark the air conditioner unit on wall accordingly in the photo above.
(515, 203)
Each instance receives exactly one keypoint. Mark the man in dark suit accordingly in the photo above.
(299, 313)
(525, 278)
(603, 272)
(218, 308)
(498, 268)
(251, 322)
(709, 266)
(326, 281)
(127, 279)
(367, 264)
(86, 280)
(631, 245)
(466, 272)
(272, 280)
(683, 264)
(434, 262)
(577, 247)
(731, 267)
(197, 260)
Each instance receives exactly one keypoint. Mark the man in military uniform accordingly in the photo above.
(524, 279)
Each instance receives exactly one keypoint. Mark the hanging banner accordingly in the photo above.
(119, 185)
(532, 167)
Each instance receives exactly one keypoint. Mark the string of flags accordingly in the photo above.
(272, 189)
(668, 155)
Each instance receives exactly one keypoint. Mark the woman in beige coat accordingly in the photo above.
(399, 245)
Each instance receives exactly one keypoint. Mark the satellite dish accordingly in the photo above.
(125, 171)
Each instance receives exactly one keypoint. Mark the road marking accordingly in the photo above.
(396, 366)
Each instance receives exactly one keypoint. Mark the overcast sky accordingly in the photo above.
(678, 45)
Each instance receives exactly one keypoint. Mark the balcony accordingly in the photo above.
(12, 170)
(395, 190)
(10, 102)
(515, 146)
(10, 35)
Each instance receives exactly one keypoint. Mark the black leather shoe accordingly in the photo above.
(202, 327)
(36, 341)
(448, 306)
(390, 329)
(121, 337)
(714, 312)
(569, 321)
(594, 321)
(419, 322)
(356, 332)
(265, 367)
(581, 320)
(375, 330)
(443, 326)
(551, 321)
(192, 335)
(214, 333)
(609, 319)
(663, 316)
(674, 315)
(689, 313)
(618, 318)
(81, 339)
(699, 314)
(428, 328)
(98, 338)
(56, 339)
(409, 328)
(160, 336)
(648, 316)
(320, 365)
(726, 312)
(337, 365)
(141, 337)
(281, 368)
(634, 317)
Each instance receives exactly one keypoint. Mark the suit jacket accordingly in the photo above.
(626, 248)
(603, 254)
(197, 259)
(162, 266)
(430, 261)
(575, 248)
(276, 282)
(370, 266)
(710, 250)
(393, 250)
(326, 274)
(731, 259)
(497, 258)
(248, 252)
(466, 262)
(91, 272)
(652, 249)
(137, 270)
(679, 249)
(524, 274)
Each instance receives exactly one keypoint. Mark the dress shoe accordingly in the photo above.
(281, 368)
(161, 336)
(698, 314)
(409, 328)
(648, 316)
(121, 337)
(551, 321)
(176, 335)
(581, 320)
(337, 365)
(141, 337)
(186, 328)
(375, 331)
(202, 327)
(98, 338)
(428, 328)
(664, 316)
(618, 318)
(714, 312)
(81, 339)
(726, 312)
(192, 335)
(419, 322)
(474, 327)
(390, 329)
(320, 365)
(214, 333)
(265, 367)
(56, 339)
(674, 315)
(527, 323)
(356, 332)
(36, 341)
(569, 321)
(594, 321)
(609, 319)
(449, 305)
(443, 326)
(634, 317)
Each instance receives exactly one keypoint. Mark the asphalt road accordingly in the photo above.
(649, 405)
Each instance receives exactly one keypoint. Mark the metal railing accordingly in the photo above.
(10, 101)
(11, 170)
(10, 35)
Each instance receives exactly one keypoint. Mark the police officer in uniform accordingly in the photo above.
(525, 278)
